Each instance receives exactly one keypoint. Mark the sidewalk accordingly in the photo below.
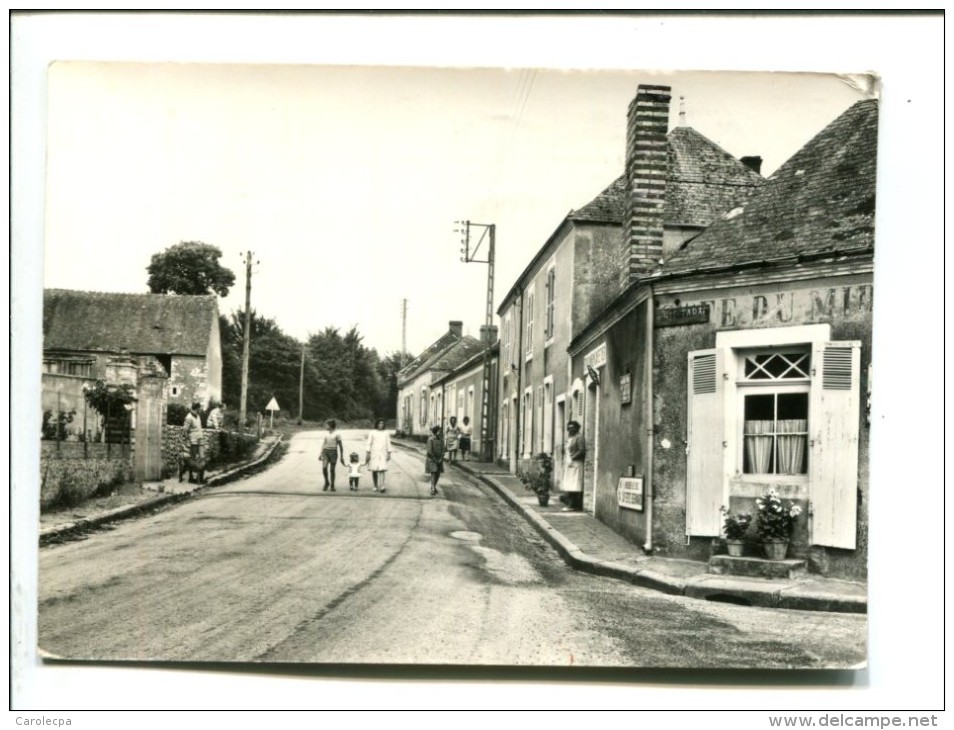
(159, 494)
(588, 545)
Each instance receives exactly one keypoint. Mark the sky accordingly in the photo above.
(346, 182)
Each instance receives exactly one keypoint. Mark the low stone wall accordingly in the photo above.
(67, 477)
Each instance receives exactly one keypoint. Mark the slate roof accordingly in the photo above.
(822, 201)
(420, 363)
(458, 354)
(703, 182)
(159, 324)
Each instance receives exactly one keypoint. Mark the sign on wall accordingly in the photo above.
(629, 493)
(688, 314)
(625, 388)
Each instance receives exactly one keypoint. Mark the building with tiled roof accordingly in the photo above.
(584, 264)
(414, 407)
(741, 364)
(82, 330)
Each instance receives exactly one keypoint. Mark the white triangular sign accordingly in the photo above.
(272, 405)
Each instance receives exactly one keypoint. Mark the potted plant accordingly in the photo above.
(540, 478)
(735, 525)
(775, 523)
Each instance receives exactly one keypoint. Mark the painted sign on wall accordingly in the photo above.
(772, 308)
(629, 493)
(625, 388)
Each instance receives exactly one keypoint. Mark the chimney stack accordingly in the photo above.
(753, 162)
(488, 334)
(647, 166)
(457, 327)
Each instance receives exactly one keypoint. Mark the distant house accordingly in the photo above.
(83, 331)
(420, 398)
(588, 259)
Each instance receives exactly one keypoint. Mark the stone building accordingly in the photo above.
(742, 362)
(578, 271)
(83, 331)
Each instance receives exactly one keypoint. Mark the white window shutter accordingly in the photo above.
(834, 416)
(705, 472)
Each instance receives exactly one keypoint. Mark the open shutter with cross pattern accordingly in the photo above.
(705, 473)
(833, 460)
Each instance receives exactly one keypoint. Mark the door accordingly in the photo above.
(149, 418)
(558, 435)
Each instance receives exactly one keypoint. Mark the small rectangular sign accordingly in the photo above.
(625, 388)
(629, 493)
(689, 314)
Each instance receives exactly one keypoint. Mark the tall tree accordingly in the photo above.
(190, 267)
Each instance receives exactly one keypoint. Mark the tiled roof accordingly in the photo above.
(703, 182)
(458, 354)
(822, 200)
(166, 324)
(422, 362)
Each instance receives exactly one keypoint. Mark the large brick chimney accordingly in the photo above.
(647, 166)
(457, 327)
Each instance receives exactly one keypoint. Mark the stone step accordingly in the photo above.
(757, 567)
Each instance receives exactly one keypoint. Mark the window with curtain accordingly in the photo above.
(774, 389)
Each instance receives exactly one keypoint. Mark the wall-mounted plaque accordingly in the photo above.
(629, 493)
(688, 314)
(625, 388)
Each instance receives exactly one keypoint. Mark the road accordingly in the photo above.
(273, 569)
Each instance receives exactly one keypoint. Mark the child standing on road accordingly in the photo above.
(355, 471)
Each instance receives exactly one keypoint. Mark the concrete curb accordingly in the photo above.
(51, 534)
(792, 594)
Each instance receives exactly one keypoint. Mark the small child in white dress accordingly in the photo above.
(354, 472)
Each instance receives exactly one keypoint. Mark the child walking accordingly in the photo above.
(354, 472)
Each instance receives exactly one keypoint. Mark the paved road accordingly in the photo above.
(273, 569)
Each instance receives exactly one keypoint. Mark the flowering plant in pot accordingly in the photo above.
(735, 525)
(540, 477)
(776, 520)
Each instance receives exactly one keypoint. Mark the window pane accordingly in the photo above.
(792, 405)
(760, 407)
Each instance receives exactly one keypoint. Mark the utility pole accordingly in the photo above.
(487, 438)
(403, 330)
(245, 339)
(301, 384)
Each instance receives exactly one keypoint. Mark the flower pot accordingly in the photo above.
(543, 498)
(775, 548)
(734, 547)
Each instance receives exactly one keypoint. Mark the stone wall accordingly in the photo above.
(68, 471)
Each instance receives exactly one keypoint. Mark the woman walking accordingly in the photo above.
(331, 449)
(378, 454)
(453, 434)
(435, 457)
(573, 474)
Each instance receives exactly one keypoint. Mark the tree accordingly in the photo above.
(190, 267)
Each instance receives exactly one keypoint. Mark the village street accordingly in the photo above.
(272, 569)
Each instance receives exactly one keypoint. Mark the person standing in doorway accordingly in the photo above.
(573, 472)
(435, 457)
(465, 433)
(331, 450)
(453, 437)
(378, 455)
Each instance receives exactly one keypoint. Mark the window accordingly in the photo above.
(527, 422)
(529, 347)
(82, 367)
(774, 389)
(551, 282)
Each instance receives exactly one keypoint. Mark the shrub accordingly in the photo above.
(176, 413)
(735, 525)
(55, 426)
(775, 519)
(69, 493)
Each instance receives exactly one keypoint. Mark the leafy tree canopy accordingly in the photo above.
(190, 267)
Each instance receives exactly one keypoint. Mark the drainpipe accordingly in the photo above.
(648, 390)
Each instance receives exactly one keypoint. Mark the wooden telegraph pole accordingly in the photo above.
(301, 384)
(245, 339)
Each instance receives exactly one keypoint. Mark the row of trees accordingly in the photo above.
(343, 378)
